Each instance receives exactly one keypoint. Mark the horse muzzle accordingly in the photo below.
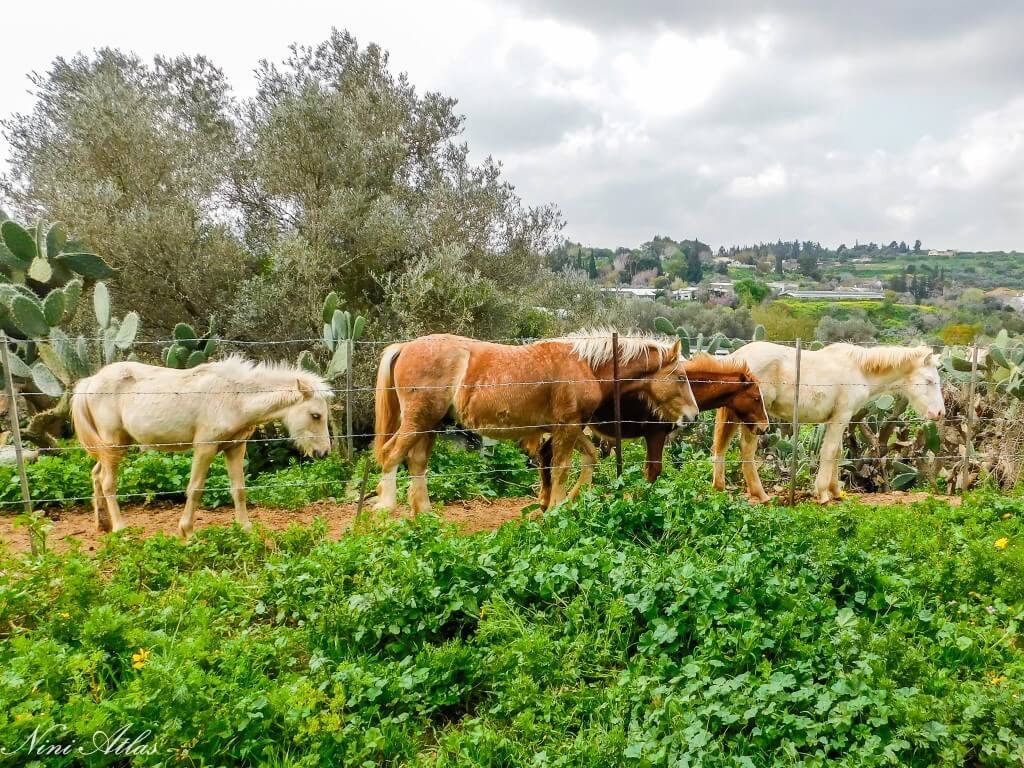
(320, 454)
(935, 415)
(687, 417)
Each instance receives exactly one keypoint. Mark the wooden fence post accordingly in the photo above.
(618, 404)
(969, 424)
(796, 429)
(19, 456)
(349, 447)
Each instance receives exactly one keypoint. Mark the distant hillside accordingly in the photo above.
(663, 262)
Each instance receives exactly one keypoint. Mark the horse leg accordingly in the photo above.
(543, 458)
(387, 490)
(827, 482)
(99, 504)
(202, 457)
(589, 454)
(108, 483)
(235, 456)
(725, 428)
(748, 454)
(395, 452)
(417, 460)
(655, 454)
(562, 443)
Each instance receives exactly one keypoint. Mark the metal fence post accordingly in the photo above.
(19, 456)
(617, 387)
(969, 423)
(796, 429)
(349, 447)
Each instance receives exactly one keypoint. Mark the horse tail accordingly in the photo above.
(388, 409)
(81, 417)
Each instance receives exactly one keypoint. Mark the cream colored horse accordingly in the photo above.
(835, 383)
(210, 408)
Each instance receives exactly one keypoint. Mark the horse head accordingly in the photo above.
(922, 386)
(306, 420)
(669, 392)
(748, 404)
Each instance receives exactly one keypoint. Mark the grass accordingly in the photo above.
(647, 626)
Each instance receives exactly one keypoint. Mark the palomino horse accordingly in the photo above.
(210, 408)
(835, 382)
(514, 393)
(716, 383)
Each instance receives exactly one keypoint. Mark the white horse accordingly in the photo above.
(210, 408)
(835, 382)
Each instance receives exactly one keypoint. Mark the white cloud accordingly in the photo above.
(769, 181)
(733, 124)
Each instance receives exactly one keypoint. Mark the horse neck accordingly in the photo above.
(712, 390)
(273, 393)
(882, 383)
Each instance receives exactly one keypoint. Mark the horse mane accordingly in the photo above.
(714, 364)
(238, 367)
(884, 359)
(594, 345)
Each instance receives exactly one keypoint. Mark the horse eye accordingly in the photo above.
(316, 417)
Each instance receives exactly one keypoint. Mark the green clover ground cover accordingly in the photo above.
(64, 480)
(647, 626)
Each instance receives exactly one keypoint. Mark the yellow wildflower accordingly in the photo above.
(139, 658)
(64, 614)
(1002, 543)
(1007, 516)
(995, 679)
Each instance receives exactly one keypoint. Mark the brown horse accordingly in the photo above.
(515, 393)
(716, 383)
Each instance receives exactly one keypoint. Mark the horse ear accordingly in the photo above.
(674, 353)
(304, 389)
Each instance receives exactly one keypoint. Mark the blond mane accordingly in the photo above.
(884, 359)
(715, 364)
(594, 345)
(244, 370)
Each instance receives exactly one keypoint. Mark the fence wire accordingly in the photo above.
(881, 421)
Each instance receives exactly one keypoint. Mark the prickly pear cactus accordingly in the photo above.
(691, 346)
(189, 349)
(62, 360)
(45, 259)
(339, 326)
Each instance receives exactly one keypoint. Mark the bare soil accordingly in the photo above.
(470, 516)
(79, 523)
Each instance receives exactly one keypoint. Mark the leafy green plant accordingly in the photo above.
(657, 625)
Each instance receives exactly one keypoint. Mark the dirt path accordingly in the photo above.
(470, 516)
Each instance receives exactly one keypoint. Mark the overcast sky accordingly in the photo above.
(730, 122)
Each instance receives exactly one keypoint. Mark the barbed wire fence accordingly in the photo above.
(349, 390)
